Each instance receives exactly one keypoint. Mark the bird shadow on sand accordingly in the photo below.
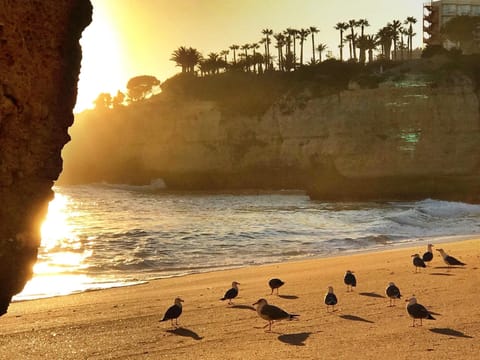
(181, 331)
(288, 297)
(449, 267)
(450, 332)
(442, 274)
(297, 339)
(244, 307)
(371, 294)
(355, 318)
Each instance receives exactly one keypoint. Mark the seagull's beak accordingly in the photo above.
(255, 303)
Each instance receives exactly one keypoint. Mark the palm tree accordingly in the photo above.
(313, 30)
(187, 58)
(385, 37)
(267, 33)
(351, 40)
(363, 23)
(234, 48)
(292, 33)
(341, 27)
(352, 24)
(370, 45)
(254, 47)
(180, 56)
(410, 21)
(194, 58)
(224, 53)
(395, 26)
(280, 39)
(245, 47)
(302, 36)
(321, 48)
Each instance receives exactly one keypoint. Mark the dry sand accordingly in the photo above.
(123, 323)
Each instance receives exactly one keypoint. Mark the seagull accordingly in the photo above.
(174, 312)
(417, 311)
(275, 284)
(393, 292)
(450, 260)
(428, 256)
(231, 293)
(272, 313)
(330, 298)
(418, 262)
(350, 280)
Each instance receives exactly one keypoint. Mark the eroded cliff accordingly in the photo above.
(39, 66)
(410, 138)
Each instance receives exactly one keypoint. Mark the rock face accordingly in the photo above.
(403, 140)
(39, 66)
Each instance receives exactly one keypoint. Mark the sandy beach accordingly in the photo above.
(123, 323)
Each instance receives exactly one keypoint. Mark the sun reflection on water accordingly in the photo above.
(61, 255)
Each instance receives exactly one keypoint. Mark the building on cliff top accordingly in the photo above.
(438, 13)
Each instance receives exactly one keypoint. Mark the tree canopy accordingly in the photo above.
(139, 87)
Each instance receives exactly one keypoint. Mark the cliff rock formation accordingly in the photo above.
(39, 66)
(407, 139)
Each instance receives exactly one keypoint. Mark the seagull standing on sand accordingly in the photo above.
(428, 256)
(450, 260)
(393, 292)
(231, 293)
(418, 262)
(350, 280)
(275, 284)
(272, 313)
(417, 311)
(174, 312)
(330, 298)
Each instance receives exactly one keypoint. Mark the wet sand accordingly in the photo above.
(123, 323)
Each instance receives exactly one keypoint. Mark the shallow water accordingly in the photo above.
(100, 236)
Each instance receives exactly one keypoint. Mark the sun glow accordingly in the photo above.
(102, 68)
(61, 255)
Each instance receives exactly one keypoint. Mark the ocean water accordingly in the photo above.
(101, 236)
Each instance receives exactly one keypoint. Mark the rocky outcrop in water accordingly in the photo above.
(39, 66)
(409, 138)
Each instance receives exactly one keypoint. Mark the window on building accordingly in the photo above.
(449, 10)
(464, 9)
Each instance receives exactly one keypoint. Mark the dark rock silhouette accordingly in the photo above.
(39, 66)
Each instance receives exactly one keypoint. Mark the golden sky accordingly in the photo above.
(136, 37)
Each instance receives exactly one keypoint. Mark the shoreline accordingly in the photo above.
(134, 281)
(124, 322)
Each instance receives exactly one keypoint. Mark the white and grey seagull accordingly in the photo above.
(272, 313)
(417, 311)
(330, 299)
(393, 293)
(418, 262)
(450, 260)
(275, 284)
(231, 293)
(174, 312)
(428, 255)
